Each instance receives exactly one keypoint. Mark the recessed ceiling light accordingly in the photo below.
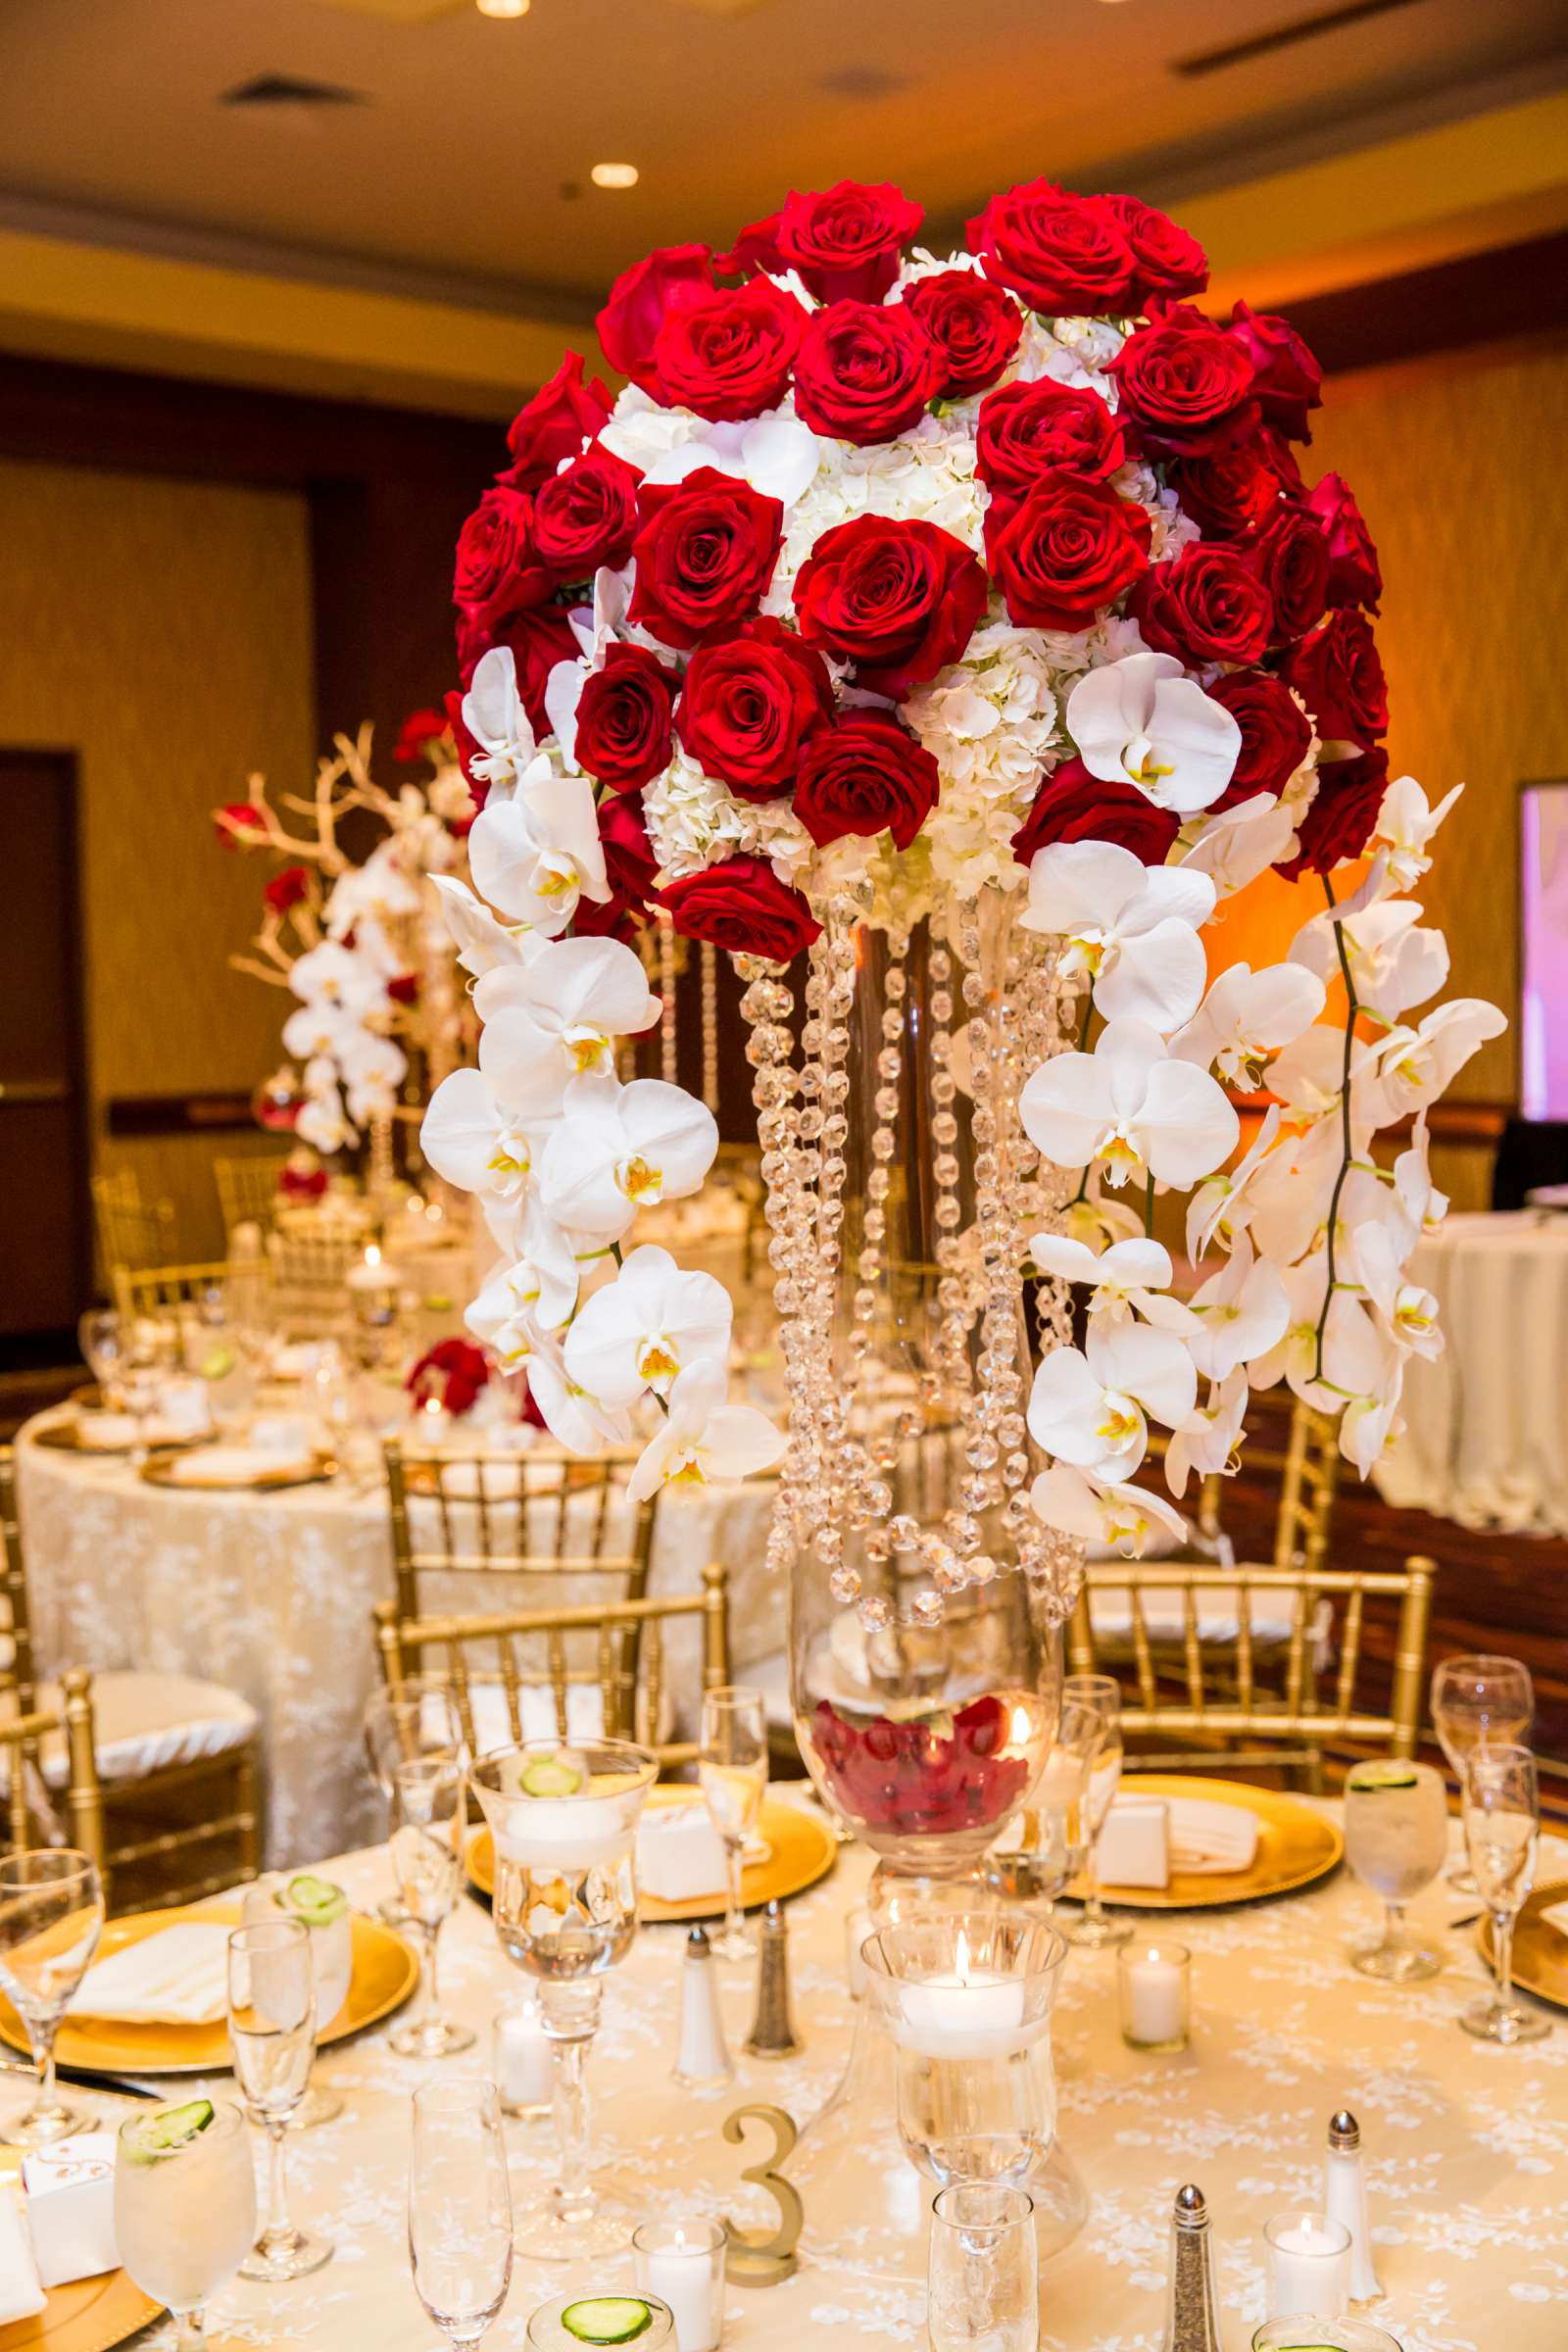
(503, 8)
(614, 176)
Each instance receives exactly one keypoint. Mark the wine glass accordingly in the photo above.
(732, 1768)
(565, 1825)
(184, 2206)
(272, 2038)
(983, 2278)
(460, 2208)
(101, 1336)
(1479, 1703)
(1395, 1839)
(427, 1797)
(417, 1717)
(51, 1917)
(1503, 1832)
(1054, 1842)
(1094, 1928)
(323, 1911)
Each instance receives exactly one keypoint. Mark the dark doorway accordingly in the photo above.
(44, 1106)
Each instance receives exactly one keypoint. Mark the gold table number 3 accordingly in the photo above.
(761, 2257)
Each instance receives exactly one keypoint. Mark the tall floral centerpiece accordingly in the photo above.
(948, 639)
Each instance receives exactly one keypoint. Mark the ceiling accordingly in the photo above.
(463, 167)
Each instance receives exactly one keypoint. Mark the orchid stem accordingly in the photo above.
(1352, 1008)
(1148, 1207)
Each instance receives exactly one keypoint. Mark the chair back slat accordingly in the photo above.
(22, 1738)
(247, 1188)
(18, 1677)
(131, 1231)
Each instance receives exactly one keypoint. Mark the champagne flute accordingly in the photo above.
(733, 1770)
(460, 2208)
(1395, 1839)
(1094, 1928)
(101, 1336)
(428, 1794)
(51, 1917)
(272, 2037)
(417, 1717)
(1503, 1832)
(184, 2206)
(1479, 1703)
(983, 2278)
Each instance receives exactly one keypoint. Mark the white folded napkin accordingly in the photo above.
(1135, 1842)
(109, 1433)
(236, 1466)
(184, 1405)
(70, 2207)
(296, 1359)
(175, 1978)
(22, 2296)
(680, 1854)
(1209, 1838)
(283, 1434)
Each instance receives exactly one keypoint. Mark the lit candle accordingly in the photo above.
(1308, 2265)
(683, 2264)
(1154, 1996)
(963, 2012)
(523, 2059)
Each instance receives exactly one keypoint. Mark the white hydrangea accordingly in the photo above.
(1070, 350)
(992, 719)
(694, 821)
(925, 475)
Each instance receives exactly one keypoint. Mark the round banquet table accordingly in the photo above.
(271, 1594)
(1486, 1439)
(1465, 2144)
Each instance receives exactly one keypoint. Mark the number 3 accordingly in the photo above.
(756, 2258)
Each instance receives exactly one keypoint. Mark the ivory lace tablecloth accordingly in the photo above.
(1465, 2145)
(1486, 1441)
(271, 1594)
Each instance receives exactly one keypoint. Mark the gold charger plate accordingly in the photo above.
(386, 1971)
(62, 1437)
(1295, 1847)
(1540, 1951)
(158, 1471)
(88, 2316)
(801, 1850)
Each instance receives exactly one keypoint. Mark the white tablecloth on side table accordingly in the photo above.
(1486, 1441)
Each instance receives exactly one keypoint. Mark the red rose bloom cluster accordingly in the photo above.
(452, 1374)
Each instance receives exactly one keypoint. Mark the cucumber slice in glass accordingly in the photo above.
(316, 1901)
(171, 2130)
(553, 1776)
(1376, 1776)
(608, 2320)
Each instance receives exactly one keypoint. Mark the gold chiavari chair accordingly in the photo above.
(165, 1291)
(624, 1639)
(30, 1738)
(309, 1281)
(174, 1758)
(247, 1188)
(131, 1231)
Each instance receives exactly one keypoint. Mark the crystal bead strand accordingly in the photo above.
(710, 972)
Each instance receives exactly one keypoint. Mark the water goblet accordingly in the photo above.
(184, 2206)
(323, 1910)
(1054, 1827)
(565, 1905)
(983, 2279)
(272, 2038)
(460, 2208)
(415, 1717)
(1502, 1832)
(1094, 1928)
(732, 1768)
(102, 1337)
(51, 1917)
(428, 1794)
(1395, 1839)
(1479, 1702)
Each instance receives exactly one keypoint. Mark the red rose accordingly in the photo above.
(1186, 385)
(286, 888)
(640, 300)
(1066, 550)
(404, 987)
(1344, 809)
(1338, 677)
(727, 355)
(898, 600)
(1064, 254)
(742, 907)
(748, 705)
(974, 325)
(586, 516)
(419, 730)
(467, 748)
(845, 243)
(1026, 430)
(1205, 605)
(555, 424)
(623, 718)
(1354, 577)
(235, 822)
(1071, 805)
(704, 555)
(1166, 261)
(865, 775)
(1292, 559)
(1287, 381)
(613, 917)
(630, 866)
(1276, 734)
(1231, 492)
(864, 371)
(536, 641)
(755, 249)
(450, 1374)
(498, 569)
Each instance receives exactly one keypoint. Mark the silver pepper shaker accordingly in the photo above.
(772, 2033)
(1192, 2322)
(1344, 2200)
(702, 2057)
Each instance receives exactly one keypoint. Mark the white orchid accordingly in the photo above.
(1123, 1276)
(320, 1027)
(1087, 1406)
(1118, 1516)
(643, 1330)
(1236, 844)
(475, 1141)
(1132, 928)
(703, 1437)
(1394, 962)
(483, 944)
(1414, 1065)
(1359, 1363)
(535, 856)
(1140, 722)
(620, 1149)
(333, 974)
(1221, 1206)
(1406, 1311)
(323, 1122)
(380, 890)
(1097, 1223)
(559, 1015)
(1246, 1018)
(374, 1068)
(1290, 1196)
(1207, 1442)
(1128, 1106)
(535, 1293)
(1407, 822)
(1241, 1312)
(573, 1420)
(494, 715)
